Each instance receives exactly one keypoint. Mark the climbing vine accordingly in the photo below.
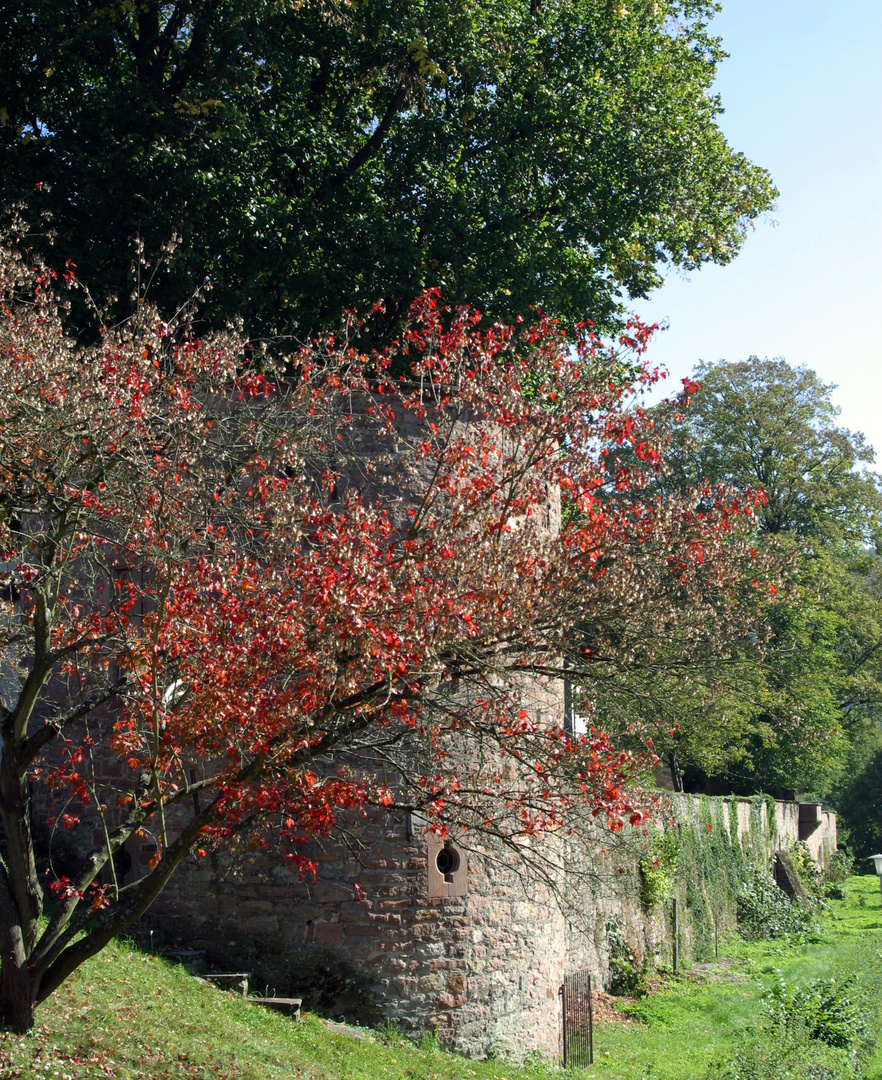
(713, 856)
(704, 859)
(658, 871)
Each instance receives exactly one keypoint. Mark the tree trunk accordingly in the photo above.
(676, 775)
(17, 1004)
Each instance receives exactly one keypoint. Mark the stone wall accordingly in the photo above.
(477, 955)
(482, 969)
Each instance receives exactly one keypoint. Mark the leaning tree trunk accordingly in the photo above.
(21, 898)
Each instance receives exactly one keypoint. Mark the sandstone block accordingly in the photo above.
(328, 933)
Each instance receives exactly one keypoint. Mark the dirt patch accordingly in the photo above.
(606, 1010)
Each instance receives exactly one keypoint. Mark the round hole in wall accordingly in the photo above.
(447, 861)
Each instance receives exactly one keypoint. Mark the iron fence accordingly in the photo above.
(578, 1020)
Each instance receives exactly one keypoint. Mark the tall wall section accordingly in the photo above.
(470, 941)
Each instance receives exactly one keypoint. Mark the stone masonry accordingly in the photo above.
(478, 959)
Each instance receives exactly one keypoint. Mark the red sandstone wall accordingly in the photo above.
(482, 970)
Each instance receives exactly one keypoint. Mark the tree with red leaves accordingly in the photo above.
(231, 589)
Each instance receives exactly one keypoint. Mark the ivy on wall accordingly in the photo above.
(703, 859)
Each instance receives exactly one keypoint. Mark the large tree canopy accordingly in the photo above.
(787, 722)
(765, 425)
(317, 155)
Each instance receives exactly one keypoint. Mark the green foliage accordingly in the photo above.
(786, 715)
(627, 971)
(429, 1042)
(793, 1056)
(833, 1013)
(820, 1030)
(763, 424)
(859, 802)
(820, 687)
(713, 1024)
(658, 870)
(765, 911)
(393, 1032)
(711, 866)
(770, 815)
(722, 881)
(840, 867)
(812, 878)
(313, 156)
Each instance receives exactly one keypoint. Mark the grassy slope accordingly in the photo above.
(689, 1024)
(132, 1016)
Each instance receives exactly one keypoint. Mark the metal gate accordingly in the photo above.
(578, 1020)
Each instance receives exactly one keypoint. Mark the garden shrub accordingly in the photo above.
(811, 876)
(817, 1032)
(835, 890)
(796, 1057)
(831, 1012)
(821, 885)
(839, 869)
(764, 910)
(627, 971)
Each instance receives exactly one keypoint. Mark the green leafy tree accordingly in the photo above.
(766, 425)
(783, 710)
(316, 155)
(822, 675)
(859, 802)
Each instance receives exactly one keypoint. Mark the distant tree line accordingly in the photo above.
(806, 714)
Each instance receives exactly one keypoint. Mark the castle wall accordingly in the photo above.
(381, 932)
(483, 969)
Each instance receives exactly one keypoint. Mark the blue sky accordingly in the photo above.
(802, 90)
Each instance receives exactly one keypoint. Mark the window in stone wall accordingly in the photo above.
(574, 722)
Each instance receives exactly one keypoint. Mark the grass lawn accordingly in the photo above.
(704, 1018)
(129, 1015)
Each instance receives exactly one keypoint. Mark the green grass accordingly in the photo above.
(691, 1025)
(132, 1016)
(129, 1015)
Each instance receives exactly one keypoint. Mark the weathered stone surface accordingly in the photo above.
(482, 970)
(237, 981)
(286, 1006)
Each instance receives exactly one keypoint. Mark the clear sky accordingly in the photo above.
(802, 90)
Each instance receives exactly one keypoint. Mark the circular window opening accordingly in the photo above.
(447, 861)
